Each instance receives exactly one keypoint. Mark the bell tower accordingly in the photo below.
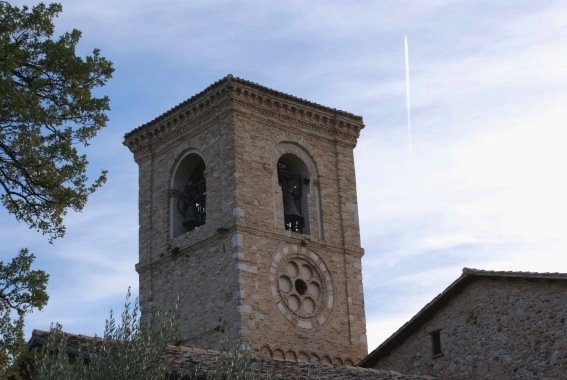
(248, 213)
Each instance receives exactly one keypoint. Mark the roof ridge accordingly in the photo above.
(472, 271)
(231, 78)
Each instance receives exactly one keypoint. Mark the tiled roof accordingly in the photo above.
(512, 274)
(188, 360)
(230, 78)
(185, 359)
(468, 275)
(76, 343)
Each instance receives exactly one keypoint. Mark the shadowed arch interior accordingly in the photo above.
(189, 209)
(293, 178)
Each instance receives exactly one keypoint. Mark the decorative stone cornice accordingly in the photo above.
(175, 121)
(297, 111)
(278, 105)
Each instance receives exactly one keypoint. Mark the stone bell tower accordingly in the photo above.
(248, 212)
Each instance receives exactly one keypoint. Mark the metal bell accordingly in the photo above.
(192, 218)
(290, 206)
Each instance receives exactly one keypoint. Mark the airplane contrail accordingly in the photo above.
(408, 96)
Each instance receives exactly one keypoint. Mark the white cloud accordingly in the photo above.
(484, 188)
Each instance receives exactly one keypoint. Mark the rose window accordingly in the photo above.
(301, 286)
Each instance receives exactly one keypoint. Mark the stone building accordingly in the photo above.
(485, 325)
(248, 213)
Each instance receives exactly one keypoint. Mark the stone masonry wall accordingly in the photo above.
(262, 136)
(496, 328)
(197, 266)
(228, 272)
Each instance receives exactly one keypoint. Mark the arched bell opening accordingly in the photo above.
(189, 209)
(293, 178)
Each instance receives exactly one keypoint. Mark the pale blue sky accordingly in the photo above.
(485, 187)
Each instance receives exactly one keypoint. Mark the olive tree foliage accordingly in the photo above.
(137, 348)
(47, 112)
(47, 109)
(131, 349)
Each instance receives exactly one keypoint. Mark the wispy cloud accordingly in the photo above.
(485, 186)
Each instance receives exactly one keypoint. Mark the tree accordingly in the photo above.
(128, 350)
(47, 111)
(138, 349)
(21, 291)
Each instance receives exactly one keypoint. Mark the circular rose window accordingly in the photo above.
(301, 286)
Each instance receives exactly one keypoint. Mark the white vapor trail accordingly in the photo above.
(408, 96)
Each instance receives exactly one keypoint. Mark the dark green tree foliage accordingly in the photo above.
(21, 291)
(47, 109)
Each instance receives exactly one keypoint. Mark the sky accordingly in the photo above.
(483, 185)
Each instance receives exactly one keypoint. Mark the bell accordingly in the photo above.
(291, 189)
(290, 207)
(192, 218)
(292, 216)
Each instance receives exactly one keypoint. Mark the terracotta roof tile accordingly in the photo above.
(190, 359)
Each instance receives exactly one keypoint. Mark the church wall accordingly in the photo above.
(196, 266)
(229, 271)
(505, 329)
(204, 279)
(260, 139)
